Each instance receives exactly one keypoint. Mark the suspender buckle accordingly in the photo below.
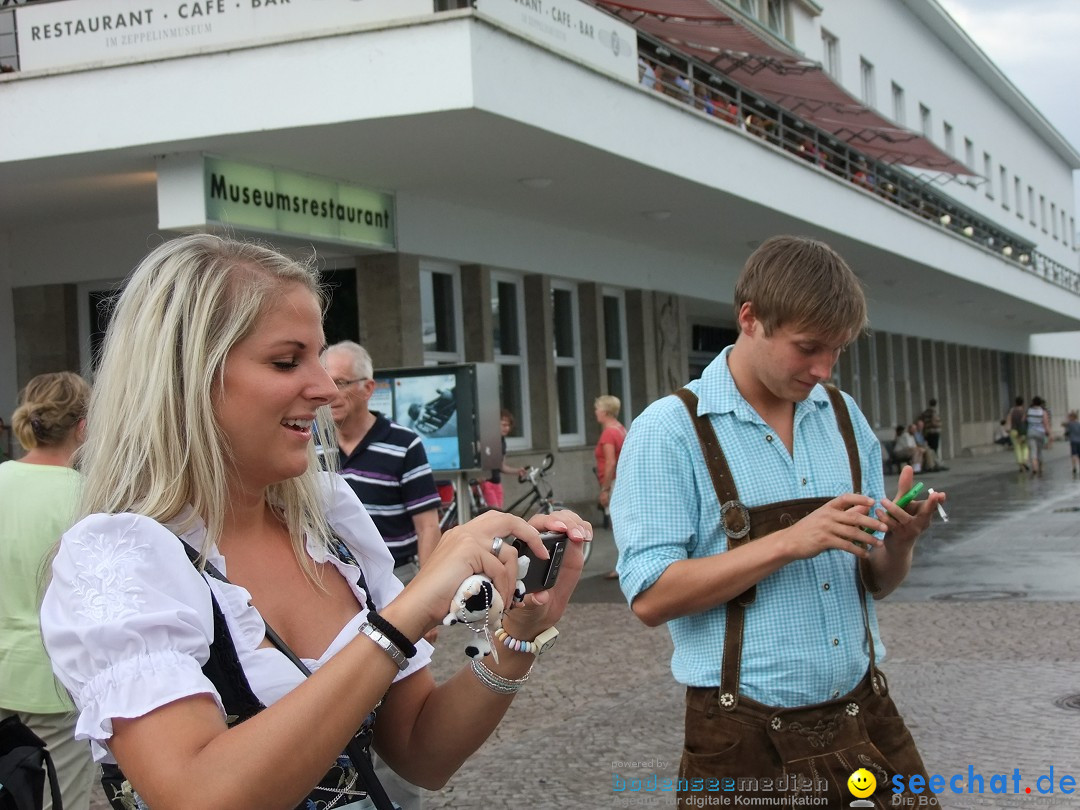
(735, 519)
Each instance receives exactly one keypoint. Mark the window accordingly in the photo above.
(96, 302)
(1053, 219)
(988, 173)
(866, 71)
(950, 141)
(440, 313)
(1017, 189)
(925, 121)
(899, 111)
(1031, 205)
(1004, 187)
(616, 353)
(830, 48)
(567, 346)
(1064, 230)
(969, 160)
(775, 16)
(1042, 212)
(509, 341)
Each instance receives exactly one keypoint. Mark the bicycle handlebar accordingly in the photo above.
(534, 473)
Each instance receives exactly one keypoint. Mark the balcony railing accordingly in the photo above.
(697, 85)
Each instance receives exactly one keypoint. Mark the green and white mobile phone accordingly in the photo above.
(903, 501)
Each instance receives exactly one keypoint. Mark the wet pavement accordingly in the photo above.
(983, 641)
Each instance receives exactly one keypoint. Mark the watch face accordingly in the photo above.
(546, 640)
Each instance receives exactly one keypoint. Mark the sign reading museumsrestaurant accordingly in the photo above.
(199, 190)
(571, 28)
(80, 32)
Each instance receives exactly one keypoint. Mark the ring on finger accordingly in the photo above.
(496, 546)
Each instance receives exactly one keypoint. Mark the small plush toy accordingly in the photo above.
(479, 606)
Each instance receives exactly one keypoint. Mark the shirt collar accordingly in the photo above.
(718, 393)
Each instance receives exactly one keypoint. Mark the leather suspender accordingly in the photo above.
(741, 525)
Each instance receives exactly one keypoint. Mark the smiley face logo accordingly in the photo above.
(861, 783)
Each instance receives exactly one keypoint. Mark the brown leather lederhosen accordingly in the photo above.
(805, 751)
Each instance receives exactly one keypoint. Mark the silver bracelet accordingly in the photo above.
(390, 647)
(497, 683)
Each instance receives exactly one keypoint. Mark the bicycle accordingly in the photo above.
(539, 499)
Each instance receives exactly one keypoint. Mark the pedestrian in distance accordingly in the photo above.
(608, 447)
(38, 497)
(1039, 436)
(1072, 434)
(780, 634)
(1017, 423)
(208, 521)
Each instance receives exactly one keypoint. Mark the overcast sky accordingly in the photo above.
(1036, 43)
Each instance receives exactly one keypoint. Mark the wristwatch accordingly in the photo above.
(546, 640)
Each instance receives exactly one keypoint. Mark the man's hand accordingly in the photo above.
(838, 524)
(905, 525)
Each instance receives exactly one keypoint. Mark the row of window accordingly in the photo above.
(1058, 223)
(441, 323)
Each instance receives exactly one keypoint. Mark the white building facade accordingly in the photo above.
(530, 196)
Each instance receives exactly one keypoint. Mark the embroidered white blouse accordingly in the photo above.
(127, 619)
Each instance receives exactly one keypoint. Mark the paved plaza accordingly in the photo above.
(983, 651)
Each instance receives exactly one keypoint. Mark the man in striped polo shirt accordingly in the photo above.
(383, 462)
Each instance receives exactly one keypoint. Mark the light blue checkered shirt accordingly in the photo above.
(804, 640)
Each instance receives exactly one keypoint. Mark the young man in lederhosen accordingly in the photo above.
(776, 639)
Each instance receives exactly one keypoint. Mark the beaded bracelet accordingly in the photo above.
(517, 645)
(407, 648)
(497, 683)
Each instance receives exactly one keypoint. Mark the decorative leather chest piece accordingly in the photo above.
(735, 519)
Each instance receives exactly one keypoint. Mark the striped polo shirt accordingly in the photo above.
(390, 474)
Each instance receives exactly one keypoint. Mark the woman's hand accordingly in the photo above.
(542, 609)
(463, 551)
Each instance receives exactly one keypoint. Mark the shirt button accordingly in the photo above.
(804, 482)
(836, 642)
(825, 586)
(836, 694)
(768, 438)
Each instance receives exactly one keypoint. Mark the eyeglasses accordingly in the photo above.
(343, 384)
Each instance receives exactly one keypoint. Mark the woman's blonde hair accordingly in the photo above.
(608, 404)
(154, 446)
(50, 407)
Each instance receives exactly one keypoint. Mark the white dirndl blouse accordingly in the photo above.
(127, 619)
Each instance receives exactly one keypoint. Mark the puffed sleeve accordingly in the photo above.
(127, 621)
(355, 527)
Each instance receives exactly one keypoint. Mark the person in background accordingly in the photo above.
(1001, 435)
(384, 462)
(608, 447)
(1072, 433)
(931, 419)
(1016, 420)
(1039, 436)
(493, 488)
(38, 496)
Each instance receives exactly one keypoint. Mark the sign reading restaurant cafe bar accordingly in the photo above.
(199, 190)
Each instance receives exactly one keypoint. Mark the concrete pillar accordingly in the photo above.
(46, 322)
(389, 303)
(672, 343)
(478, 329)
(593, 353)
(641, 348)
(541, 355)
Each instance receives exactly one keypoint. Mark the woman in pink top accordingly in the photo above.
(608, 447)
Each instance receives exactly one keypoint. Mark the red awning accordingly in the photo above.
(800, 86)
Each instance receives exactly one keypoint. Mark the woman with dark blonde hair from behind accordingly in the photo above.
(38, 495)
(208, 525)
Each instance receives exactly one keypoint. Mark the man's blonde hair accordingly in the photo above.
(802, 283)
(153, 444)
